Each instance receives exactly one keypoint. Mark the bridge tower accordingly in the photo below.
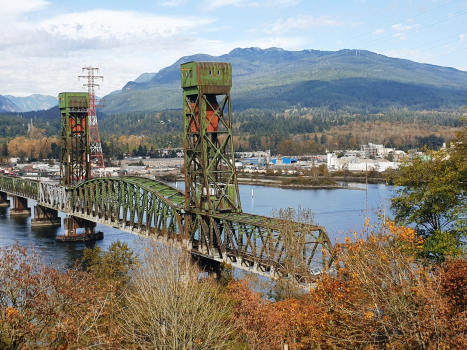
(210, 176)
(74, 154)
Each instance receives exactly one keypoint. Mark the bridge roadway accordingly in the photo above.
(152, 208)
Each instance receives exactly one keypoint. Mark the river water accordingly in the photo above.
(339, 210)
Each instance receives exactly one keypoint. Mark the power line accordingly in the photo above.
(430, 48)
(445, 54)
(432, 42)
(359, 36)
(417, 28)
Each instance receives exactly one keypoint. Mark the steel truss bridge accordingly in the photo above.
(154, 209)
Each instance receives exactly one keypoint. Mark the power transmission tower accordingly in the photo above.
(95, 145)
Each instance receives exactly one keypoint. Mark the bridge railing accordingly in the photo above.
(19, 186)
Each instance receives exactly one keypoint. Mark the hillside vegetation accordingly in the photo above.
(355, 81)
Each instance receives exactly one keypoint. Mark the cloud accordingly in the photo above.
(302, 22)
(173, 3)
(215, 4)
(48, 54)
(104, 24)
(379, 31)
(401, 28)
(282, 3)
(10, 7)
(462, 37)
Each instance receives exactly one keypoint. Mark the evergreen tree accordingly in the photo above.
(5, 152)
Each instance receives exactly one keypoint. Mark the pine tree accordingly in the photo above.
(5, 152)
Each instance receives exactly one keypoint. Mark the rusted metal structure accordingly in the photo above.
(74, 128)
(210, 176)
(206, 219)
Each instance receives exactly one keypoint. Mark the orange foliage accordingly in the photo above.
(22, 146)
(378, 297)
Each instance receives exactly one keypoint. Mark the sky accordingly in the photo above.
(45, 44)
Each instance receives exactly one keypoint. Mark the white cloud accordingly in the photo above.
(104, 24)
(302, 22)
(462, 37)
(9, 7)
(49, 54)
(173, 3)
(402, 28)
(282, 3)
(379, 31)
(214, 4)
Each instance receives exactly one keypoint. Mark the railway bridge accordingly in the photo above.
(205, 219)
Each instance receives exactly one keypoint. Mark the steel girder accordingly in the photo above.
(133, 204)
(151, 208)
(258, 243)
(19, 186)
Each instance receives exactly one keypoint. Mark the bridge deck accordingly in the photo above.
(263, 221)
(174, 195)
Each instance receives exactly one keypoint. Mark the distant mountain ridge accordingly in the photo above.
(34, 102)
(145, 77)
(7, 106)
(361, 81)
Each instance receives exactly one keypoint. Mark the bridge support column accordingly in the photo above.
(20, 206)
(212, 267)
(72, 224)
(4, 201)
(44, 216)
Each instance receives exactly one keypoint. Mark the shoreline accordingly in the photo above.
(277, 182)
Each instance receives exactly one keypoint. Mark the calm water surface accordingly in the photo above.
(338, 210)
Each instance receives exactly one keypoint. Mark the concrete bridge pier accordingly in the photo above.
(44, 216)
(20, 206)
(72, 224)
(212, 267)
(4, 201)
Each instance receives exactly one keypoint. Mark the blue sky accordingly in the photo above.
(44, 44)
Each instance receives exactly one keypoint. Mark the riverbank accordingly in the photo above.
(306, 182)
(291, 182)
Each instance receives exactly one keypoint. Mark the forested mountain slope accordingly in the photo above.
(7, 106)
(34, 102)
(359, 81)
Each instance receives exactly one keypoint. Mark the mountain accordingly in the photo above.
(7, 106)
(145, 77)
(359, 81)
(34, 102)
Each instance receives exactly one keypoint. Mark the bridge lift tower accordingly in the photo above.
(75, 165)
(74, 130)
(210, 177)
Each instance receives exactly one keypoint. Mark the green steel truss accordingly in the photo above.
(207, 218)
(134, 204)
(210, 176)
(152, 208)
(74, 128)
(19, 187)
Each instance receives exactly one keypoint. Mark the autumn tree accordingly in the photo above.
(381, 297)
(431, 195)
(113, 264)
(169, 305)
(47, 306)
